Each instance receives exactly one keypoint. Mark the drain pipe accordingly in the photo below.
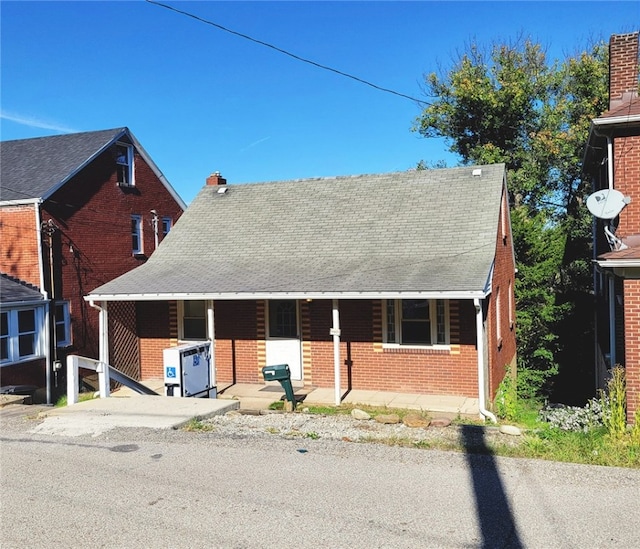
(610, 161)
(47, 307)
(480, 349)
(103, 342)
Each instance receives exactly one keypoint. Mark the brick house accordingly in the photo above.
(612, 160)
(400, 282)
(76, 211)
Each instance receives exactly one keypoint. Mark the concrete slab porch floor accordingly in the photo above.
(260, 396)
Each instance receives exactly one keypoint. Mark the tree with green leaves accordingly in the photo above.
(509, 104)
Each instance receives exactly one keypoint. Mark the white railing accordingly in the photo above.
(74, 362)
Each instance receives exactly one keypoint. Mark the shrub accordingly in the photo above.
(506, 403)
(616, 395)
(573, 418)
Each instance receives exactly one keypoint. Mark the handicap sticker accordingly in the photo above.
(196, 360)
(171, 371)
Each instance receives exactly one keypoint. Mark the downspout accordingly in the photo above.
(481, 377)
(103, 340)
(47, 319)
(610, 161)
(335, 332)
(154, 223)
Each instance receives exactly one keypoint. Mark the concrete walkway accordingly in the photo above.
(126, 408)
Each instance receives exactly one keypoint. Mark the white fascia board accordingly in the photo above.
(614, 263)
(20, 202)
(616, 120)
(238, 296)
(36, 302)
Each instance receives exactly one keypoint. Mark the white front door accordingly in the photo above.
(283, 336)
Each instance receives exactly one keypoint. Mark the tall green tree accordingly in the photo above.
(508, 103)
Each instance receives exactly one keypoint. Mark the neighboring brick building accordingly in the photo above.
(399, 282)
(612, 159)
(76, 211)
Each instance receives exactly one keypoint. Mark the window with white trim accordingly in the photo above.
(136, 234)
(63, 324)
(511, 306)
(417, 322)
(498, 316)
(21, 334)
(124, 164)
(192, 316)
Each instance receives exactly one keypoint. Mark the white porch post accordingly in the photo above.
(211, 334)
(335, 332)
(104, 377)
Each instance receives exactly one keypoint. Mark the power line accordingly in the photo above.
(285, 52)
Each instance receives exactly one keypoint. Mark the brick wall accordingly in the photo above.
(626, 169)
(154, 331)
(93, 242)
(364, 363)
(623, 66)
(623, 72)
(25, 373)
(19, 249)
(502, 340)
(237, 342)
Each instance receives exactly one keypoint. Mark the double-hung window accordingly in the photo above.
(63, 324)
(193, 320)
(417, 322)
(136, 234)
(21, 333)
(124, 164)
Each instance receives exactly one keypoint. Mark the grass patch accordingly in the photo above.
(197, 425)
(62, 401)
(540, 439)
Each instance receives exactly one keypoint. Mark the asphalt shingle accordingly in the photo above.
(414, 231)
(31, 168)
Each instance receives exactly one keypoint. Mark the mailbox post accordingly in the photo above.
(281, 373)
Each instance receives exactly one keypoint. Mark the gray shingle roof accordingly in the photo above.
(33, 168)
(13, 290)
(416, 231)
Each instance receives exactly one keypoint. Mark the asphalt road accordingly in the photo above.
(146, 488)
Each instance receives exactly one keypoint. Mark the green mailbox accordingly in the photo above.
(281, 373)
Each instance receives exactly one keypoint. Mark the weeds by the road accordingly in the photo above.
(544, 436)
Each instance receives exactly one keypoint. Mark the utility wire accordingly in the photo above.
(285, 52)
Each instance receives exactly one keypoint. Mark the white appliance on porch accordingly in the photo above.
(188, 371)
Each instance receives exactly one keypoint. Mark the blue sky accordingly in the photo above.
(200, 99)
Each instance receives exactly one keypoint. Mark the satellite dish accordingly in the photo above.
(607, 203)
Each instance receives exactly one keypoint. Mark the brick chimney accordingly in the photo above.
(623, 69)
(216, 179)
